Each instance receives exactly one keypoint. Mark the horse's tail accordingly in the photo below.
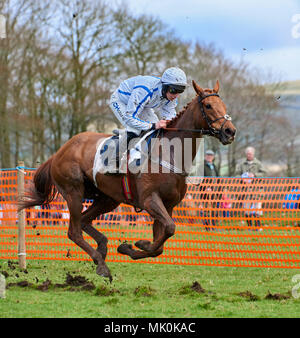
(42, 191)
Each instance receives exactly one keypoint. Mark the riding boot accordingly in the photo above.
(118, 157)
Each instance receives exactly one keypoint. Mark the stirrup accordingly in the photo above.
(114, 172)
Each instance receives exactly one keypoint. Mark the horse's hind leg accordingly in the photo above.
(100, 206)
(74, 201)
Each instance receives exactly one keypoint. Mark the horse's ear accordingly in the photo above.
(198, 89)
(216, 87)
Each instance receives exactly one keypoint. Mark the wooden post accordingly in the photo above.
(21, 219)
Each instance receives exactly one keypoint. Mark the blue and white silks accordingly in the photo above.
(138, 103)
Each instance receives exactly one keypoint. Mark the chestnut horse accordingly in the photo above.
(70, 173)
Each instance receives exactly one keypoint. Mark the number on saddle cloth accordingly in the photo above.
(110, 148)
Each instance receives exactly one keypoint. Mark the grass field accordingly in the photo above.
(146, 291)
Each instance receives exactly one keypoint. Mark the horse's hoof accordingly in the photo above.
(124, 248)
(143, 245)
(103, 270)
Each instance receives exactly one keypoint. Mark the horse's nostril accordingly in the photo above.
(229, 132)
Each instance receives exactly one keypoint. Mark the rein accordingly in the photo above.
(202, 131)
(211, 130)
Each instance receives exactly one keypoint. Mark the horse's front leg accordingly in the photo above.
(154, 205)
(127, 249)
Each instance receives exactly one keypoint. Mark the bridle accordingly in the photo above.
(211, 130)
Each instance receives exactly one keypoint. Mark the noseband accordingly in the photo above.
(211, 130)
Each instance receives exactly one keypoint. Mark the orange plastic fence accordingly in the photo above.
(220, 222)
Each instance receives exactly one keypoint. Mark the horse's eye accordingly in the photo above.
(208, 106)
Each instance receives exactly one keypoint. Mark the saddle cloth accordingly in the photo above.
(108, 146)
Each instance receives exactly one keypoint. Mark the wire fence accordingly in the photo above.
(220, 222)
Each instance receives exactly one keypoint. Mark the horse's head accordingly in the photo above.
(211, 114)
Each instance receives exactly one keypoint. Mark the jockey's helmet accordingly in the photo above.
(174, 80)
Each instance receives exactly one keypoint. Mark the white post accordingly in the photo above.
(21, 219)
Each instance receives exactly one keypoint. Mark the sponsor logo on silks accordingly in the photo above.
(116, 106)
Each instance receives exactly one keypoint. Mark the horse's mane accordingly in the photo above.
(183, 110)
(178, 115)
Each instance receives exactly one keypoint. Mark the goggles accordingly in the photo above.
(176, 89)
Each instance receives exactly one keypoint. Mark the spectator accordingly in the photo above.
(208, 213)
(35, 216)
(209, 167)
(44, 215)
(252, 205)
(225, 204)
(10, 215)
(65, 213)
(293, 195)
(189, 204)
(251, 165)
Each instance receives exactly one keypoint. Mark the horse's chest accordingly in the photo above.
(170, 188)
(172, 193)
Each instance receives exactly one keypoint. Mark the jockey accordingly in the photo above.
(143, 103)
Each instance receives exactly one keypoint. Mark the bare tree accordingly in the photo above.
(62, 59)
(146, 44)
(84, 31)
